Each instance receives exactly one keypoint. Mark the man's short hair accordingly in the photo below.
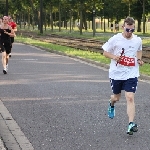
(5, 17)
(129, 21)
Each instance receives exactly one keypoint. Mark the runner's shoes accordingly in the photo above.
(132, 128)
(5, 71)
(9, 54)
(111, 111)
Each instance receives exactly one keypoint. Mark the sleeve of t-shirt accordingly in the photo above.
(14, 25)
(108, 46)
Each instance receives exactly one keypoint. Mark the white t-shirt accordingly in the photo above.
(128, 66)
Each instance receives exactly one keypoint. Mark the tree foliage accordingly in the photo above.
(114, 10)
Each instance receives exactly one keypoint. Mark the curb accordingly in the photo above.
(2, 146)
(12, 136)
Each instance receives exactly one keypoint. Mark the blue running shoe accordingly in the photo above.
(132, 128)
(111, 111)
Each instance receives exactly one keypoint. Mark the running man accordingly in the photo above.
(1, 22)
(125, 51)
(6, 32)
(14, 27)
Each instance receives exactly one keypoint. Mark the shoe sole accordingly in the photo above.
(110, 117)
(133, 129)
(5, 72)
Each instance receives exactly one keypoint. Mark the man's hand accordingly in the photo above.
(140, 62)
(117, 58)
(6, 32)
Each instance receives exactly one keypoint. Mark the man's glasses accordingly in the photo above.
(129, 30)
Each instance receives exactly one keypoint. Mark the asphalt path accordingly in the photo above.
(60, 103)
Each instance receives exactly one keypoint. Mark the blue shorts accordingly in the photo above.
(129, 85)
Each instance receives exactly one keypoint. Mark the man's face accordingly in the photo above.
(128, 30)
(5, 19)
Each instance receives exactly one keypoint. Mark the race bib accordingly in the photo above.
(127, 61)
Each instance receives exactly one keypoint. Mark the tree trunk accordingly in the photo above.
(28, 19)
(81, 18)
(139, 25)
(84, 22)
(33, 17)
(51, 17)
(59, 16)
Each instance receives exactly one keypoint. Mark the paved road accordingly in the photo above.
(54, 102)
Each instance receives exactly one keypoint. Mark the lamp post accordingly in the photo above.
(104, 15)
(129, 6)
(81, 17)
(93, 22)
(143, 16)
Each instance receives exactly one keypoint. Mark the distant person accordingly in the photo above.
(116, 27)
(1, 22)
(111, 26)
(14, 27)
(125, 51)
(6, 32)
(78, 25)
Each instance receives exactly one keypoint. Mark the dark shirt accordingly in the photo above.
(5, 38)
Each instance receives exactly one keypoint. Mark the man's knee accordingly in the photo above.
(115, 97)
(129, 96)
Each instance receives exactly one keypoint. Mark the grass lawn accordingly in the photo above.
(97, 57)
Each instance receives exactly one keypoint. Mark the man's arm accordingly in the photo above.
(139, 54)
(15, 27)
(139, 58)
(11, 34)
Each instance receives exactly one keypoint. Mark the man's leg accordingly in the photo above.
(4, 62)
(10, 51)
(4, 59)
(111, 108)
(12, 41)
(114, 98)
(130, 105)
(7, 58)
(116, 86)
(132, 127)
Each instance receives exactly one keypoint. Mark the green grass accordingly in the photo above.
(97, 57)
(145, 69)
(100, 34)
